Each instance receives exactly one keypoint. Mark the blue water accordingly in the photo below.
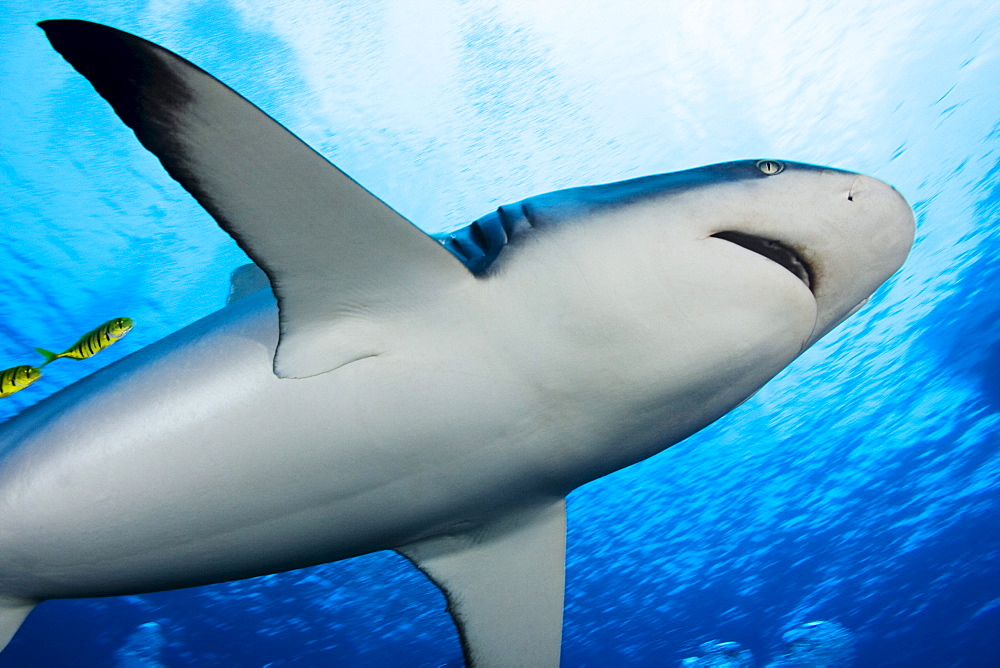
(861, 486)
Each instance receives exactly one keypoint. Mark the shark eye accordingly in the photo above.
(770, 167)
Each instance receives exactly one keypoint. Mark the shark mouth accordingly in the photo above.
(773, 250)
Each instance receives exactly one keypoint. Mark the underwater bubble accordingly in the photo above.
(819, 644)
(142, 649)
(720, 654)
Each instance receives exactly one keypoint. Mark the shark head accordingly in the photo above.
(689, 289)
(837, 234)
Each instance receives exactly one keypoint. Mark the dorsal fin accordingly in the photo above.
(337, 257)
(246, 280)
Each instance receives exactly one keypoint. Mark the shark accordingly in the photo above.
(372, 387)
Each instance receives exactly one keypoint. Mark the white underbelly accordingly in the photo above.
(190, 462)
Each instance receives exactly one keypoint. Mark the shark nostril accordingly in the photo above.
(856, 189)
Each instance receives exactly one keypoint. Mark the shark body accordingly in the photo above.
(371, 390)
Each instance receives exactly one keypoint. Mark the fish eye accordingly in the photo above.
(770, 167)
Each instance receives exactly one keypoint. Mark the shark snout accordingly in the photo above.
(873, 192)
(860, 248)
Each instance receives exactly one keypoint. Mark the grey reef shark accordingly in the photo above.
(372, 387)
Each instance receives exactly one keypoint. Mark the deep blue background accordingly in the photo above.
(859, 486)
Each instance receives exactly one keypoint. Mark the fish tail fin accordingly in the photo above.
(47, 354)
(12, 614)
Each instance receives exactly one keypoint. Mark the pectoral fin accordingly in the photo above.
(504, 585)
(337, 257)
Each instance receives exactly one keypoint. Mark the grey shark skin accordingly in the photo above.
(390, 396)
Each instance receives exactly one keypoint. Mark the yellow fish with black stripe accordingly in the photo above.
(17, 378)
(93, 341)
